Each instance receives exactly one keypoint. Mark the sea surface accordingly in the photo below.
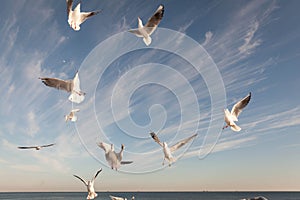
(152, 195)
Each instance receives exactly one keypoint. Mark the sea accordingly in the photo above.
(152, 195)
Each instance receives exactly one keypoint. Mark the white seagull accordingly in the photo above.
(119, 198)
(232, 117)
(90, 186)
(146, 31)
(114, 159)
(256, 198)
(70, 86)
(169, 150)
(75, 17)
(36, 147)
(71, 116)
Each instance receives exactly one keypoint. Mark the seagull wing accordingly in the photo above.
(85, 15)
(85, 183)
(239, 106)
(75, 110)
(154, 20)
(115, 198)
(181, 143)
(136, 32)
(58, 83)
(126, 162)
(48, 145)
(156, 139)
(97, 173)
(106, 147)
(31, 147)
(69, 6)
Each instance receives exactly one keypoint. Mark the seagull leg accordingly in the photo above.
(163, 162)
(225, 127)
(79, 93)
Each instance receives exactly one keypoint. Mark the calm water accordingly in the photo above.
(154, 195)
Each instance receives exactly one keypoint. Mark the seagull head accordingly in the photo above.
(38, 148)
(112, 148)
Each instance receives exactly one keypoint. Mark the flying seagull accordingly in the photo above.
(90, 186)
(146, 31)
(70, 86)
(37, 147)
(256, 198)
(232, 117)
(119, 198)
(114, 159)
(75, 17)
(71, 116)
(169, 150)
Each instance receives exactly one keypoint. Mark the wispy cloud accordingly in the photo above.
(208, 37)
(33, 127)
(223, 146)
(250, 42)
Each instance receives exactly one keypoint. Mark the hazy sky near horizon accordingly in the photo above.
(170, 87)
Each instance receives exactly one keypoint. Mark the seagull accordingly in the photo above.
(70, 86)
(146, 31)
(256, 198)
(37, 147)
(169, 150)
(232, 117)
(119, 198)
(75, 17)
(114, 159)
(72, 117)
(90, 186)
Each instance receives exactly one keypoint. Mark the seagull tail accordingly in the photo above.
(147, 40)
(235, 128)
(74, 119)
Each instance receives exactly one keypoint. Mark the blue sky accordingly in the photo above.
(205, 56)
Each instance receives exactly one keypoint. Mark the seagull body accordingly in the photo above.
(75, 17)
(36, 147)
(232, 117)
(71, 116)
(114, 159)
(119, 198)
(146, 31)
(90, 185)
(70, 86)
(169, 150)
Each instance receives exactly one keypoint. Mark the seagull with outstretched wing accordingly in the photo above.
(71, 116)
(232, 117)
(70, 86)
(36, 147)
(169, 150)
(90, 185)
(146, 31)
(113, 158)
(119, 198)
(76, 17)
